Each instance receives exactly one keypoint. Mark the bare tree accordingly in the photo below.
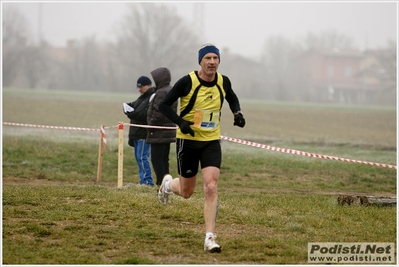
(34, 65)
(326, 39)
(88, 65)
(279, 56)
(153, 35)
(85, 67)
(15, 39)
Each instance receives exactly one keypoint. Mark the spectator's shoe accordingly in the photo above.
(163, 196)
(211, 246)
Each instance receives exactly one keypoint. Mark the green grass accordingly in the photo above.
(40, 158)
(272, 203)
(267, 122)
(100, 225)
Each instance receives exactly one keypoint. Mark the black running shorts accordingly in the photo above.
(190, 153)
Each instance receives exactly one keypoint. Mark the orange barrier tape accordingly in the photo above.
(296, 152)
(231, 139)
(49, 127)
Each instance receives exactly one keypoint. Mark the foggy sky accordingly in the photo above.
(243, 27)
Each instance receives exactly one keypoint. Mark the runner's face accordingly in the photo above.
(210, 64)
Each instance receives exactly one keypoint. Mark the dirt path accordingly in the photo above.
(38, 182)
(35, 181)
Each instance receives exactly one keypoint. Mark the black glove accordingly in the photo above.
(239, 120)
(185, 127)
(129, 114)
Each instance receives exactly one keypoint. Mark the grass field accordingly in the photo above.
(272, 203)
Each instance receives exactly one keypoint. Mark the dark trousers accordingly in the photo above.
(160, 160)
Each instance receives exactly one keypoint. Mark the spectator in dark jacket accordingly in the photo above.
(160, 139)
(137, 135)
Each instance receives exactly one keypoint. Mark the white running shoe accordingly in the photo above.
(163, 196)
(211, 246)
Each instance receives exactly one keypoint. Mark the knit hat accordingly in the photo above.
(205, 49)
(143, 80)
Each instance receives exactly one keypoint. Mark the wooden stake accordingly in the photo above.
(100, 157)
(120, 156)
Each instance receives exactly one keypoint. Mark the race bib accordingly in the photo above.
(206, 119)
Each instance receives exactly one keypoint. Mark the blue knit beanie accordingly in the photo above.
(205, 49)
(143, 80)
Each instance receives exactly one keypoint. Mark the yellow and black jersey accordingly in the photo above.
(201, 103)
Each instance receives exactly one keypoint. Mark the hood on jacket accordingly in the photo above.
(161, 77)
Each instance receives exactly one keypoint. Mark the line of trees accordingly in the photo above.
(151, 35)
